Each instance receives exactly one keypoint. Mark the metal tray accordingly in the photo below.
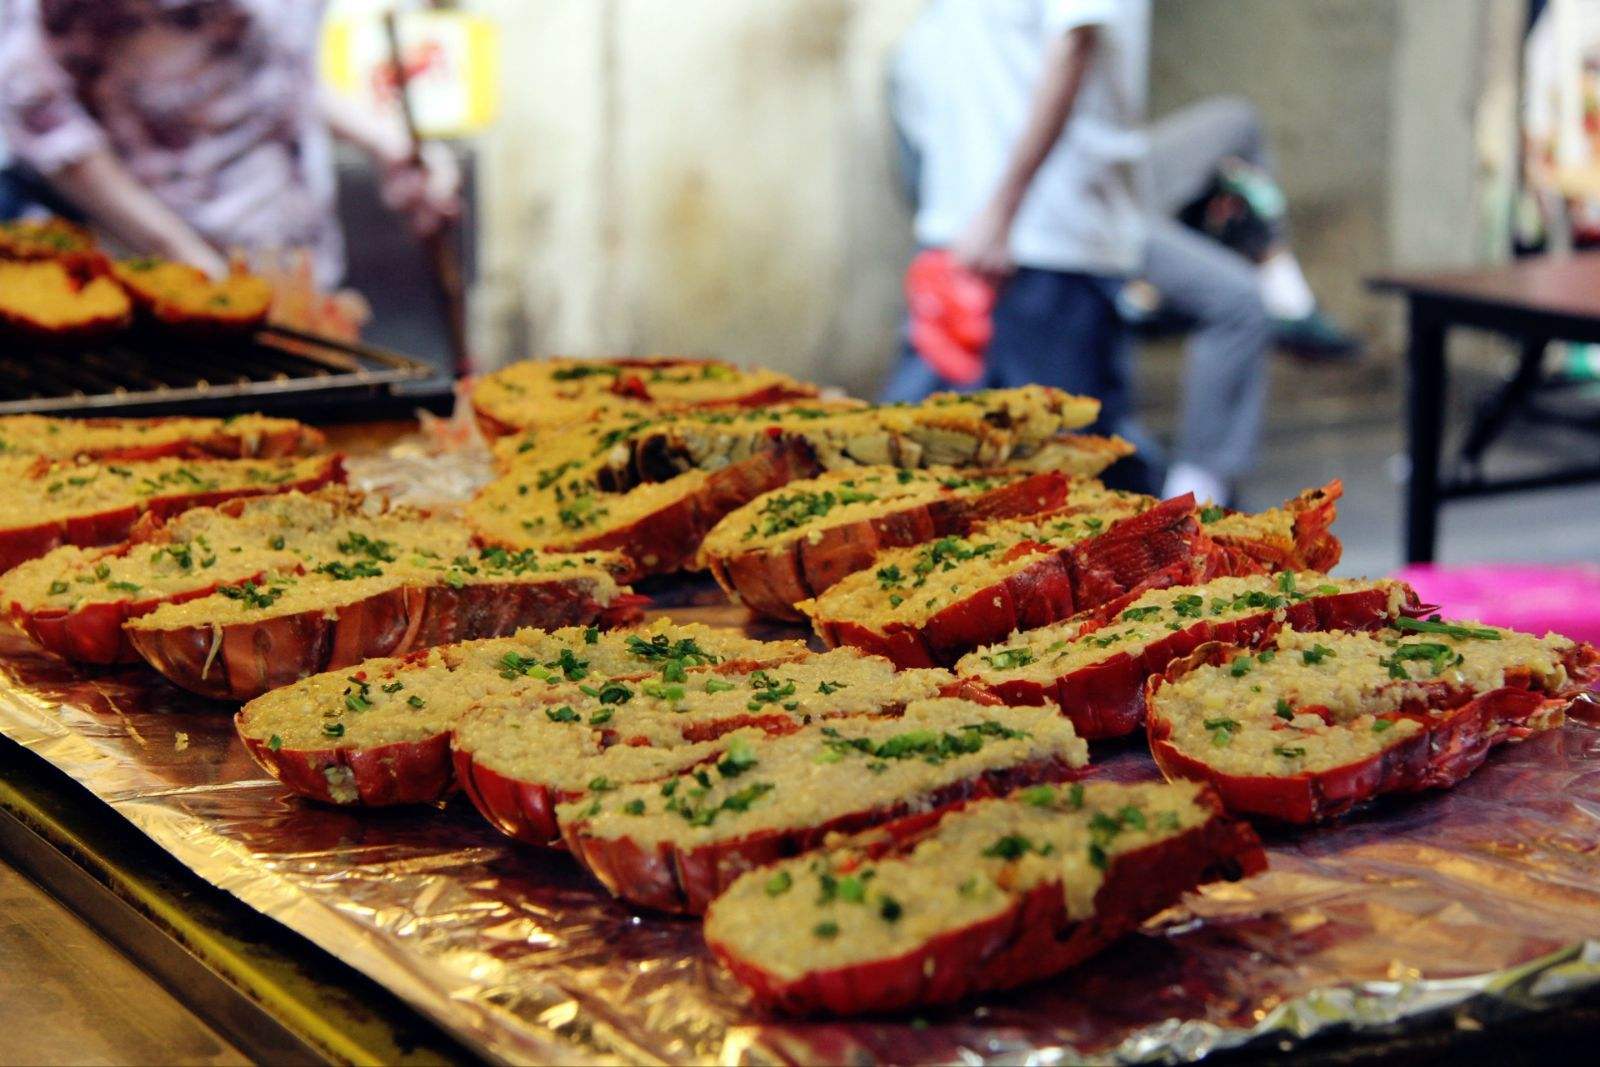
(1453, 910)
(149, 374)
(1419, 925)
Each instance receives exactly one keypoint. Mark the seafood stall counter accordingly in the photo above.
(1462, 920)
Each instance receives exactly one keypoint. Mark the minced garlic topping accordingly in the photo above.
(1315, 701)
(1054, 651)
(912, 584)
(40, 435)
(71, 578)
(66, 490)
(838, 498)
(569, 517)
(828, 770)
(567, 736)
(1275, 525)
(556, 392)
(1078, 455)
(836, 908)
(382, 701)
(340, 581)
(566, 489)
(284, 553)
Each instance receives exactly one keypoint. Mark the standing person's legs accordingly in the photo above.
(1062, 329)
(1186, 150)
(1187, 146)
(912, 379)
(1225, 365)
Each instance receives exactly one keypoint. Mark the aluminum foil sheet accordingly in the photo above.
(1476, 903)
(440, 466)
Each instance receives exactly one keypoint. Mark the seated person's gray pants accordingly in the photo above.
(1225, 367)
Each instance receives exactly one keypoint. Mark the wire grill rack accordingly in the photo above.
(275, 367)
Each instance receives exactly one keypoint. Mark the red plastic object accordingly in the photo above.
(1535, 598)
(951, 316)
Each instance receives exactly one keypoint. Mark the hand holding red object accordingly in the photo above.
(984, 247)
(951, 315)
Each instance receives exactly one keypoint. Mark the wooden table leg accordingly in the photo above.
(1498, 409)
(1425, 401)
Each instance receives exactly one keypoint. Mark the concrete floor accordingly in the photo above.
(82, 1002)
(1553, 525)
(1347, 423)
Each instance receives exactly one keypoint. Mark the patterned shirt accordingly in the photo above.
(210, 104)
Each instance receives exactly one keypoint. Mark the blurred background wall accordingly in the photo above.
(1394, 127)
(711, 177)
(716, 176)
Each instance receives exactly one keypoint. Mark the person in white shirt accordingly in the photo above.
(1021, 125)
(1028, 121)
(191, 129)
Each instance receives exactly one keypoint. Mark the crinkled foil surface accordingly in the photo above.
(1477, 902)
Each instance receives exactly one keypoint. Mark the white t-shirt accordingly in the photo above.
(962, 85)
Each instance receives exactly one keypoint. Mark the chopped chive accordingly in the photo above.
(1434, 626)
(1040, 796)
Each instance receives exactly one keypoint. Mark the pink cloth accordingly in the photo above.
(1530, 597)
(210, 104)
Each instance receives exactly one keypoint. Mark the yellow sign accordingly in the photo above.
(451, 60)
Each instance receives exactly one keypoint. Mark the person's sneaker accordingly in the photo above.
(1207, 487)
(1314, 337)
(1577, 362)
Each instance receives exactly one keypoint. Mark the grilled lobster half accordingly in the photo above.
(1308, 725)
(1094, 666)
(997, 894)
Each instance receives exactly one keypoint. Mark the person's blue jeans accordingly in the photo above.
(1055, 328)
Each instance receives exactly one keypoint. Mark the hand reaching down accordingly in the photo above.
(427, 191)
